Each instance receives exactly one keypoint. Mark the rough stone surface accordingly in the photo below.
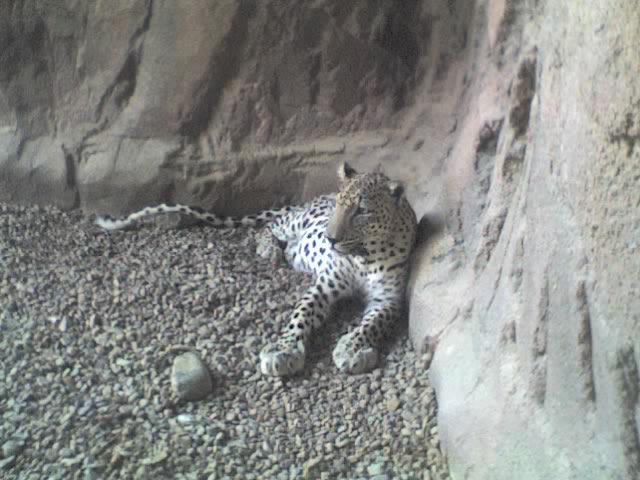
(188, 96)
(190, 377)
(514, 123)
(528, 290)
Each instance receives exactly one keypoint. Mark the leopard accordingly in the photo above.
(356, 242)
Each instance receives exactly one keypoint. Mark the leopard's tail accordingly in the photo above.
(109, 223)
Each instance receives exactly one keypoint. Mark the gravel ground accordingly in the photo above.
(90, 324)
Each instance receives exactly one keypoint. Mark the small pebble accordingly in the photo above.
(6, 463)
(375, 469)
(11, 448)
(185, 418)
(393, 404)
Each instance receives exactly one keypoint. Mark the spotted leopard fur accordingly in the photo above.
(355, 242)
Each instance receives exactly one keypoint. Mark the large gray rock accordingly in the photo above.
(190, 377)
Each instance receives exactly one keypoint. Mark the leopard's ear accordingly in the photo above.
(345, 171)
(396, 189)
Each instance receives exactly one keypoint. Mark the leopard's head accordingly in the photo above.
(371, 210)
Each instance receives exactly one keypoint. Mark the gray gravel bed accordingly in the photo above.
(90, 323)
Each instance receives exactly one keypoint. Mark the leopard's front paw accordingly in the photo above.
(282, 359)
(354, 355)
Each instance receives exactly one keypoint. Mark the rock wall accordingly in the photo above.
(515, 124)
(528, 294)
(112, 105)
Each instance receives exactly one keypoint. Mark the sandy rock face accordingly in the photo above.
(98, 99)
(528, 293)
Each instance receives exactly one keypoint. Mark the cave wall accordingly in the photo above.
(528, 295)
(112, 105)
(514, 123)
